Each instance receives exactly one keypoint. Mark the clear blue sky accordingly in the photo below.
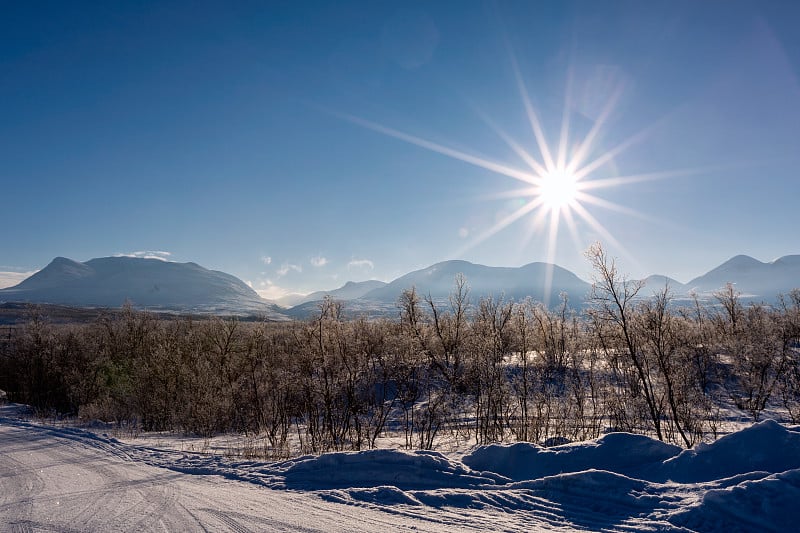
(244, 135)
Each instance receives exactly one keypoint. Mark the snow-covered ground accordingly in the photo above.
(69, 479)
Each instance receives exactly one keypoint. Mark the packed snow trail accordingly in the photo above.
(68, 479)
(52, 482)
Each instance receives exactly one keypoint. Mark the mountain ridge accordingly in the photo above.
(440, 277)
(437, 281)
(754, 280)
(188, 287)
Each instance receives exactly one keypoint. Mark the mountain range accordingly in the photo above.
(189, 288)
(437, 281)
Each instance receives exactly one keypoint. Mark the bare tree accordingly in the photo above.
(613, 298)
(492, 342)
(449, 328)
(659, 330)
(790, 380)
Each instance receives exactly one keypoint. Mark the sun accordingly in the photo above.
(558, 189)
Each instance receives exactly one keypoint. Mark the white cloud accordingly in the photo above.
(463, 233)
(266, 260)
(319, 261)
(147, 254)
(288, 267)
(9, 279)
(365, 264)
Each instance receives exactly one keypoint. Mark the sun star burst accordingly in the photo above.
(555, 186)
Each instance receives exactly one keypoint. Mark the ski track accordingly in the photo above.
(68, 479)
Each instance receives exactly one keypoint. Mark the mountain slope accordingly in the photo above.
(754, 279)
(145, 283)
(751, 277)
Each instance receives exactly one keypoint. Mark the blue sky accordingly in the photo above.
(271, 139)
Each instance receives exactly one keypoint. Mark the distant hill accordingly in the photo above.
(512, 283)
(657, 282)
(752, 278)
(289, 300)
(349, 291)
(145, 283)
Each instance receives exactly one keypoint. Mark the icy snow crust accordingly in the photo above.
(746, 481)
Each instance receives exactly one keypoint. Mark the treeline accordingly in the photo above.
(479, 372)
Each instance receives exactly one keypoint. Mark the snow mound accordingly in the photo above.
(768, 504)
(763, 447)
(622, 453)
(375, 468)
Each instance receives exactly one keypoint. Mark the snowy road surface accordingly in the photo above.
(67, 479)
(50, 483)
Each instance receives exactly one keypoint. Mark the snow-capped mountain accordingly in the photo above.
(145, 283)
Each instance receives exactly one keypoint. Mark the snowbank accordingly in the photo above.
(763, 447)
(623, 453)
(375, 468)
(768, 504)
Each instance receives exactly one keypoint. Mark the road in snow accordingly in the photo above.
(52, 483)
(68, 479)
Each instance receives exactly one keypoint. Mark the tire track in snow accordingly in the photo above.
(226, 519)
(17, 478)
(92, 483)
(95, 496)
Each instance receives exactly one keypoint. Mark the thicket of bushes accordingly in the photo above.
(485, 371)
